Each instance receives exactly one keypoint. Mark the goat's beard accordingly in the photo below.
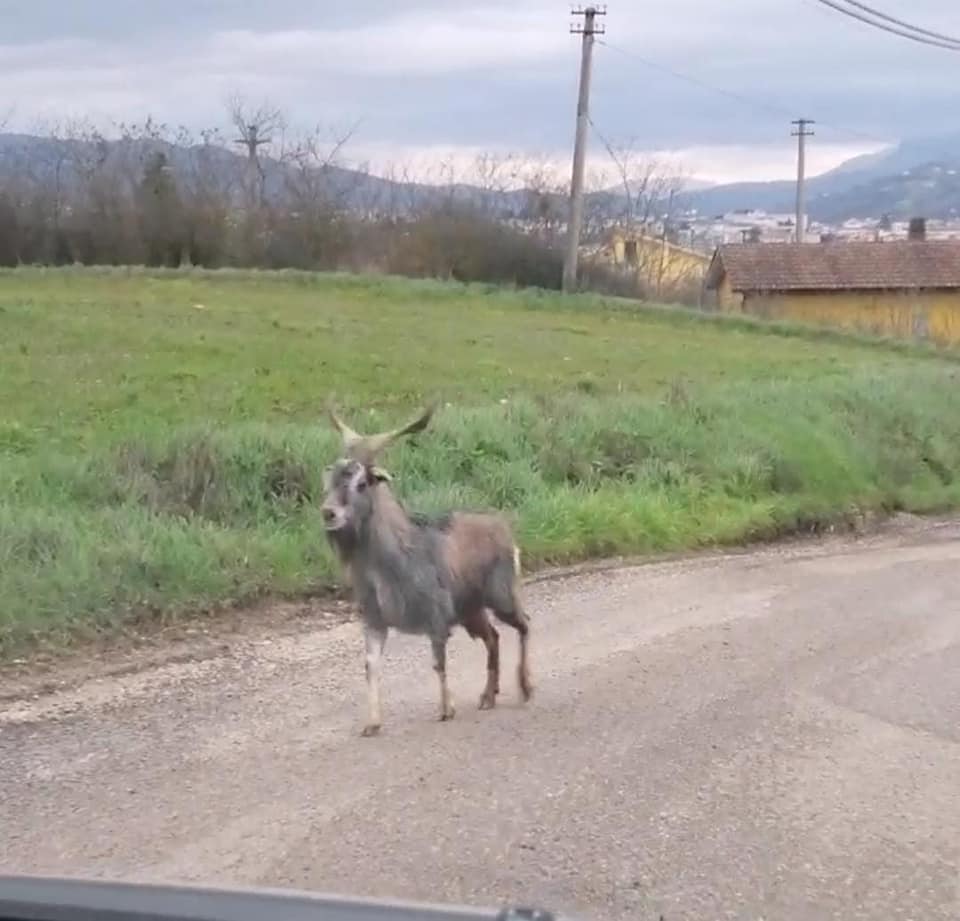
(343, 540)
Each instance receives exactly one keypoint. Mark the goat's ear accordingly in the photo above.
(379, 475)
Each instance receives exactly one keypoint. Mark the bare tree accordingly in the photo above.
(319, 194)
(543, 207)
(648, 184)
(640, 205)
(47, 183)
(211, 184)
(391, 202)
(109, 172)
(314, 158)
(257, 126)
(497, 176)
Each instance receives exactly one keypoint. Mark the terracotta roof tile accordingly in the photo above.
(856, 265)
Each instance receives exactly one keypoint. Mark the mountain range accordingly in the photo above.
(919, 177)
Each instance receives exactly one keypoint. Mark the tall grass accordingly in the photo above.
(179, 518)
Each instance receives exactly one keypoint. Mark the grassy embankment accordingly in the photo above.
(162, 439)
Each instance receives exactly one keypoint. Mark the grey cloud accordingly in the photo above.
(472, 73)
(44, 19)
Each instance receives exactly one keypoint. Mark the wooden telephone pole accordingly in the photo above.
(588, 29)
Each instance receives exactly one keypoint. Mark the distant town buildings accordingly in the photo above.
(705, 234)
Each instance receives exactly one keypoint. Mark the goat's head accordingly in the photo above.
(351, 479)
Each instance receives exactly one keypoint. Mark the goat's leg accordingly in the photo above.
(439, 644)
(491, 639)
(523, 669)
(516, 617)
(374, 640)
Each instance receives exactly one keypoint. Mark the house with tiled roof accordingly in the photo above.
(899, 288)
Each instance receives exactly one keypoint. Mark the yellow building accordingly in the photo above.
(898, 288)
(661, 265)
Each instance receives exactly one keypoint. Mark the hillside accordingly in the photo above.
(62, 162)
(162, 439)
(862, 187)
(931, 190)
(913, 177)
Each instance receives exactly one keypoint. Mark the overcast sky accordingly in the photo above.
(425, 77)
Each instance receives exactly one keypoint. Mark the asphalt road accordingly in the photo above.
(772, 735)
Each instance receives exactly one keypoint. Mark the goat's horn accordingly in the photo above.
(349, 436)
(374, 444)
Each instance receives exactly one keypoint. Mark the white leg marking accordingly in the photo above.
(374, 641)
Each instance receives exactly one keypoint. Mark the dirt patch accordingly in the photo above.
(45, 671)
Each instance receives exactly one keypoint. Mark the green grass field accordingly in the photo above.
(162, 438)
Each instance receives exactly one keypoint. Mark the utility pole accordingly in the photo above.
(801, 134)
(253, 141)
(588, 29)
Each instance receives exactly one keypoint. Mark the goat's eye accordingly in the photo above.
(361, 485)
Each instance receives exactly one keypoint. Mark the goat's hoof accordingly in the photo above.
(487, 701)
(448, 714)
(526, 688)
(371, 730)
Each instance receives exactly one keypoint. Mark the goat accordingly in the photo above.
(420, 575)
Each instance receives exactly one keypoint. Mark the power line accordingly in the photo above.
(602, 138)
(773, 109)
(619, 163)
(920, 36)
(755, 103)
(899, 22)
